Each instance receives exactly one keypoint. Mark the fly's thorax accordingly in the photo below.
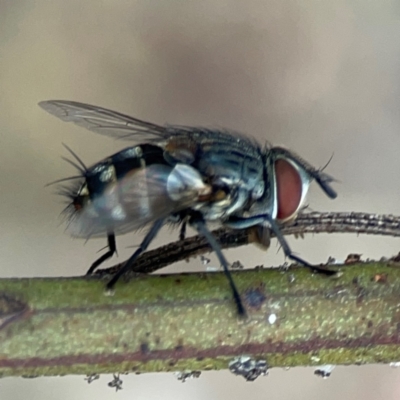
(229, 166)
(226, 198)
(180, 149)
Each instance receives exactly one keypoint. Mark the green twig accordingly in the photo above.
(189, 322)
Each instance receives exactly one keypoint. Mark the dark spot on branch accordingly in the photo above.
(144, 348)
(179, 346)
(11, 309)
(255, 297)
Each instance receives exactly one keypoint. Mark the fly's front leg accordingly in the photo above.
(112, 249)
(242, 223)
(289, 254)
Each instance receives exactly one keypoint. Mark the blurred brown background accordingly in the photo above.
(320, 77)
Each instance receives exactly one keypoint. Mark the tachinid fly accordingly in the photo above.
(183, 174)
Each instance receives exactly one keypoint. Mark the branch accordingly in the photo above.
(313, 222)
(189, 322)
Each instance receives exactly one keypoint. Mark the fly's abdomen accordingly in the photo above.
(135, 158)
(132, 188)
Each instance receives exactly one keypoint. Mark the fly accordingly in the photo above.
(182, 174)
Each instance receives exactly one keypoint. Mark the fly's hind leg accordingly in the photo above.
(151, 234)
(112, 249)
(182, 232)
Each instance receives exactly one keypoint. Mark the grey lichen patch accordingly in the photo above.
(183, 376)
(248, 367)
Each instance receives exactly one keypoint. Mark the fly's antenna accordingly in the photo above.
(329, 161)
(327, 177)
(81, 167)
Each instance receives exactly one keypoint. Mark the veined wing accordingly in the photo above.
(104, 121)
(138, 199)
(124, 127)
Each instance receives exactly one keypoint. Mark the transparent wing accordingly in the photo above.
(123, 127)
(138, 199)
(103, 121)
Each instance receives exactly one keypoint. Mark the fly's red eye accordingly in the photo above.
(289, 189)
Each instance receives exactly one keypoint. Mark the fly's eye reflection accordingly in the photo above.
(179, 174)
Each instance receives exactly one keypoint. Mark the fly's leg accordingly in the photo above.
(289, 254)
(198, 223)
(242, 223)
(182, 232)
(112, 249)
(142, 247)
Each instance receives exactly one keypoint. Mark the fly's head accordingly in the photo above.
(291, 187)
(292, 177)
(287, 179)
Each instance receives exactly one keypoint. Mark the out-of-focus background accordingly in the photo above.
(320, 77)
